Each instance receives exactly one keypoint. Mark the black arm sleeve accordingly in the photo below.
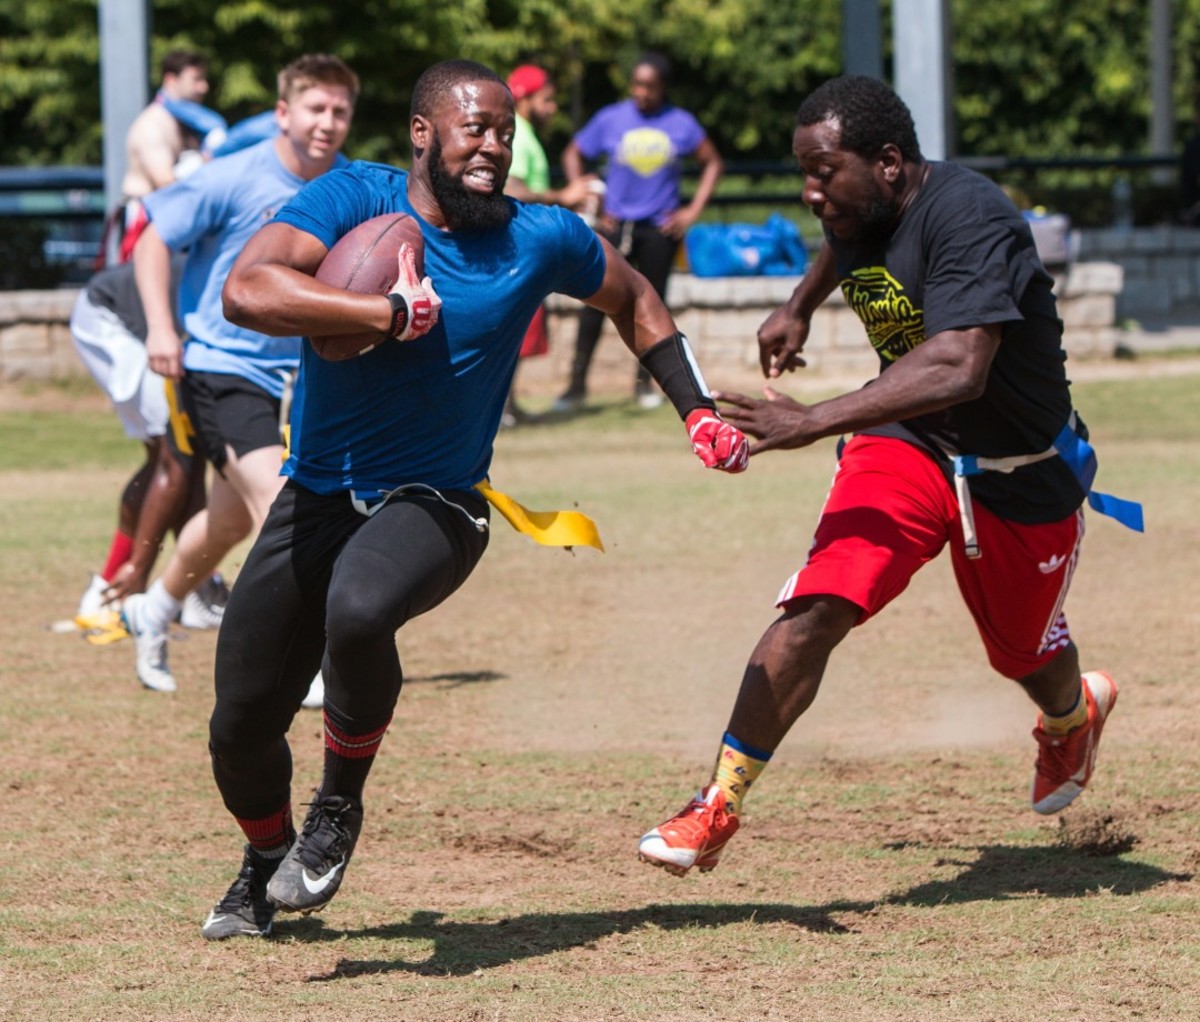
(672, 364)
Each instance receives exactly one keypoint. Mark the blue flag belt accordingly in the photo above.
(1078, 455)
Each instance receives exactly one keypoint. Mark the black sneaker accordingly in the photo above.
(245, 910)
(311, 873)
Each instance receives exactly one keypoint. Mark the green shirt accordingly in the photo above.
(529, 163)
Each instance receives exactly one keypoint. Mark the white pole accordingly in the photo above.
(1162, 112)
(923, 71)
(124, 85)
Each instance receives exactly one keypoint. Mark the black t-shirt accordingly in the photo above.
(115, 289)
(963, 256)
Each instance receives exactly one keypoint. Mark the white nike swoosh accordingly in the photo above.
(320, 883)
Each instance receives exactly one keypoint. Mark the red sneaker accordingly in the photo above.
(693, 837)
(1065, 762)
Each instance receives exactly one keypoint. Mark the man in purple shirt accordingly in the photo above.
(644, 139)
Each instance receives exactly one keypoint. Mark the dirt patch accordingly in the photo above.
(888, 865)
(1095, 832)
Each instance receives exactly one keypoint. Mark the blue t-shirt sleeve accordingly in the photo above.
(332, 205)
(582, 264)
(185, 211)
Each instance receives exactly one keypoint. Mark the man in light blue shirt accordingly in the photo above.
(229, 382)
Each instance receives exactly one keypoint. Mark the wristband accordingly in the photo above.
(673, 366)
(399, 306)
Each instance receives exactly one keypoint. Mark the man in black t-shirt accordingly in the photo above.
(965, 439)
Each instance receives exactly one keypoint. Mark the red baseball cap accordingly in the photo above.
(526, 80)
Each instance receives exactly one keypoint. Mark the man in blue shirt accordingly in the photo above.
(381, 519)
(230, 380)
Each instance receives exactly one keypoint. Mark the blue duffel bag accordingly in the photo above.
(773, 249)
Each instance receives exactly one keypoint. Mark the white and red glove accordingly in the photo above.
(415, 305)
(717, 443)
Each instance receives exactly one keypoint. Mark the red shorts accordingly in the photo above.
(890, 510)
(535, 342)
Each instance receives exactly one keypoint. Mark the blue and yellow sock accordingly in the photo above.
(1068, 721)
(738, 766)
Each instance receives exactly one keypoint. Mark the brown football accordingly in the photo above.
(364, 260)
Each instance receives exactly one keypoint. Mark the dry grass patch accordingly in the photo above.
(888, 869)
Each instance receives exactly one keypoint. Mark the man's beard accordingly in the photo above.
(873, 221)
(462, 208)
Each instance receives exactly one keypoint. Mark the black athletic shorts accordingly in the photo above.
(226, 410)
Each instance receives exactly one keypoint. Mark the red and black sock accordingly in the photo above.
(349, 754)
(270, 836)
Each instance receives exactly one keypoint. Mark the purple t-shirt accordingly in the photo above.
(644, 153)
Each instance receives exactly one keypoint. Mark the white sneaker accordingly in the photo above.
(92, 601)
(204, 607)
(650, 400)
(93, 611)
(315, 700)
(152, 669)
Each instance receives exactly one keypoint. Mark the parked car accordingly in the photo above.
(51, 225)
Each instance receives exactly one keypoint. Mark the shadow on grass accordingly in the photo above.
(454, 679)
(455, 948)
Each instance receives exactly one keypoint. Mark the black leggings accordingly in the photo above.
(326, 587)
(652, 254)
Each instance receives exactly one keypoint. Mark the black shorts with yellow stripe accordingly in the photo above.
(213, 412)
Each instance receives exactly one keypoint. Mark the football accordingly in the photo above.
(364, 260)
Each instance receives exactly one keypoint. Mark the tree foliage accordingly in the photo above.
(1032, 77)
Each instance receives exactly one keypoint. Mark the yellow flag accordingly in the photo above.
(550, 528)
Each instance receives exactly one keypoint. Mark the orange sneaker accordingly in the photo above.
(1065, 762)
(693, 837)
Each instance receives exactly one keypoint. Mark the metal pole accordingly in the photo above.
(924, 75)
(862, 38)
(124, 86)
(1162, 113)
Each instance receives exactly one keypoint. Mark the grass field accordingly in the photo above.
(888, 867)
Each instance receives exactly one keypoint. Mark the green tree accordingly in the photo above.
(1051, 77)
(49, 93)
(1032, 77)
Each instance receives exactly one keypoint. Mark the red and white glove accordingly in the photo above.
(415, 305)
(716, 442)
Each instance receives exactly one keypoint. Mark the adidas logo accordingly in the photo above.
(1047, 567)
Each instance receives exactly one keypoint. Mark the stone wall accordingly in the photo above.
(35, 342)
(720, 316)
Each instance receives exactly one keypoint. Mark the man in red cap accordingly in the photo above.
(529, 181)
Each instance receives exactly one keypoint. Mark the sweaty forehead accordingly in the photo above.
(821, 139)
(476, 97)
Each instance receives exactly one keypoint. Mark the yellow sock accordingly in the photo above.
(738, 766)
(1068, 721)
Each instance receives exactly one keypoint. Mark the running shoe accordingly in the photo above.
(245, 910)
(695, 836)
(312, 871)
(1065, 762)
(151, 642)
(204, 606)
